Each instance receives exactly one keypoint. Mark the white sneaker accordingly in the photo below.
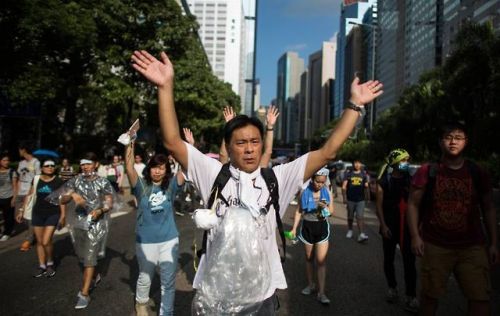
(323, 299)
(5, 238)
(362, 237)
(294, 202)
(349, 234)
(308, 289)
(82, 302)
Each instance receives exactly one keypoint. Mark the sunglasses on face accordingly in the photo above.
(50, 166)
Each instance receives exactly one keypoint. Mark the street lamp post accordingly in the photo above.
(374, 34)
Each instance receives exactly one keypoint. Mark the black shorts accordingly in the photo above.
(314, 232)
(45, 219)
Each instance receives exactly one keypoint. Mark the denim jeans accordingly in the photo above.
(164, 255)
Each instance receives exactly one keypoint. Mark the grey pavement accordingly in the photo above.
(355, 280)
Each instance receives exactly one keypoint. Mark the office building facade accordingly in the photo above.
(423, 38)
(320, 74)
(458, 12)
(227, 32)
(350, 12)
(390, 48)
(290, 67)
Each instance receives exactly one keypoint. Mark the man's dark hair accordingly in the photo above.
(90, 156)
(4, 154)
(240, 121)
(27, 146)
(155, 161)
(452, 126)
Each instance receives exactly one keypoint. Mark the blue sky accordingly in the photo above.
(290, 25)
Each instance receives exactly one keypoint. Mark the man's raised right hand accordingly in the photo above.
(161, 73)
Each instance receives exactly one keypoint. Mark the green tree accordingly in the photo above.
(73, 58)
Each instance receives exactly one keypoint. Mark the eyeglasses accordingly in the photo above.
(50, 166)
(458, 138)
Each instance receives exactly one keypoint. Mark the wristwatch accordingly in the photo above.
(361, 109)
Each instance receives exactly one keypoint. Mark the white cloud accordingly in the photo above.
(296, 47)
(333, 39)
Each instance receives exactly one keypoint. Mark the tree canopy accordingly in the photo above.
(73, 58)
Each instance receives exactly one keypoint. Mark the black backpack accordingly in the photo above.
(272, 185)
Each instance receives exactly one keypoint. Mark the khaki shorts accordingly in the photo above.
(470, 267)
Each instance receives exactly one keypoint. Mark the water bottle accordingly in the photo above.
(325, 212)
(289, 235)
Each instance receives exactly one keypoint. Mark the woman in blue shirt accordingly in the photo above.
(157, 238)
(316, 205)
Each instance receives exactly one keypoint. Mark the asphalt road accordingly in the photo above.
(355, 280)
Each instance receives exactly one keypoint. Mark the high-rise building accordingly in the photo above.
(423, 38)
(227, 32)
(350, 12)
(458, 12)
(256, 100)
(353, 62)
(250, 29)
(304, 121)
(416, 36)
(290, 67)
(320, 74)
(390, 48)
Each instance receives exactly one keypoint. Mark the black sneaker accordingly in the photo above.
(50, 272)
(40, 272)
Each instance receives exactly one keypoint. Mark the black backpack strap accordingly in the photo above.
(475, 174)
(272, 186)
(427, 198)
(219, 184)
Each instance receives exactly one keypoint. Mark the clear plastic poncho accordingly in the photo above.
(94, 190)
(237, 274)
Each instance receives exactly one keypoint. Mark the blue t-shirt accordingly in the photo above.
(155, 219)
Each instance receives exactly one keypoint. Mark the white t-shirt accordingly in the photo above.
(27, 171)
(139, 168)
(203, 170)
